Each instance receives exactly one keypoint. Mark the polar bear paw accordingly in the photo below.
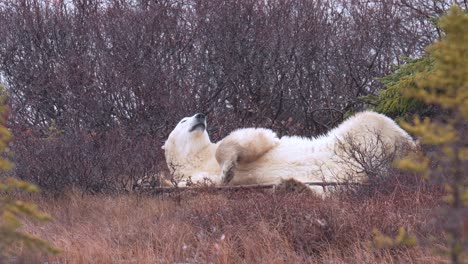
(227, 172)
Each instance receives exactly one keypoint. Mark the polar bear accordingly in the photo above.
(258, 156)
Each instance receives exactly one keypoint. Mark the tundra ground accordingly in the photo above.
(258, 226)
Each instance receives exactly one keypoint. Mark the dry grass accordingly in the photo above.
(238, 227)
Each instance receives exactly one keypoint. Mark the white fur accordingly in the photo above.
(257, 156)
(190, 156)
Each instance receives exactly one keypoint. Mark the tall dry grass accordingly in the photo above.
(239, 227)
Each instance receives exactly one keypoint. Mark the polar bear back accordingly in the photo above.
(314, 159)
(363, 125)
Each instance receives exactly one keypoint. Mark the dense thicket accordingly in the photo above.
(96, 85)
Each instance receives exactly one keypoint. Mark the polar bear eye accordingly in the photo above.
(183, 121)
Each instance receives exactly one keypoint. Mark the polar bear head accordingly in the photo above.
(188, 137)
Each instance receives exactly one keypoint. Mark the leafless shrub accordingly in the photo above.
(128, 70)
(93, 162)
(368, 158)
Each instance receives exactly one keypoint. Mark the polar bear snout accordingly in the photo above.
(199, 122)
(200, 116)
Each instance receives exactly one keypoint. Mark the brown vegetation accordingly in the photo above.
(242, 227)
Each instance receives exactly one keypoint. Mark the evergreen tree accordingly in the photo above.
(11, 209)
(445, 85)
(391, 100)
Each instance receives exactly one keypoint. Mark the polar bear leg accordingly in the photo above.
(243, 146)
(227, 156)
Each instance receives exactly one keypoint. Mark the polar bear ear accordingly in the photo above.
(164, 145)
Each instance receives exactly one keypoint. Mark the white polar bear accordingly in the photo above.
(258, 156)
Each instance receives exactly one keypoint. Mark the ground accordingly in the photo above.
(235, 227)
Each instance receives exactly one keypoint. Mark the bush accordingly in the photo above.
(95, 85)
(107, 162)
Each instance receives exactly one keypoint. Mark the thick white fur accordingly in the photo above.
(190, 156)
(257, 156)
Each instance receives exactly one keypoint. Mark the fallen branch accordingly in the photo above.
(333, 183)
(240, 187)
